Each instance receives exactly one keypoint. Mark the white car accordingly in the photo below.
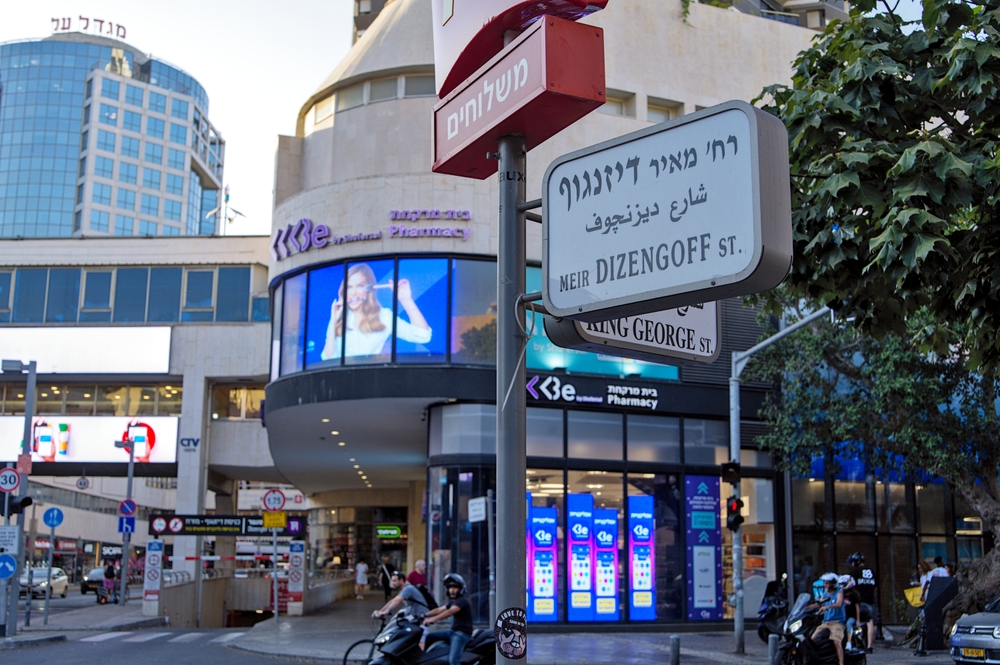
(59, 581)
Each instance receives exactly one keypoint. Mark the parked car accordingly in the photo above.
(59, 581)
(976, 638)
(92, 580)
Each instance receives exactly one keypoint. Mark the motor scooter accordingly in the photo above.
(799, 646)
(398, 643)
(773, 610)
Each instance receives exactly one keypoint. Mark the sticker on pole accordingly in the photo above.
(10, 480)
(274, 500)
(693, 210)
(511, 633)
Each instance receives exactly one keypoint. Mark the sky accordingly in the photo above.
(258, 61)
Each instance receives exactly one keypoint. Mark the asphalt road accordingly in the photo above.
(145, 647)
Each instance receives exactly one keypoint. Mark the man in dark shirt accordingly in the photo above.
(457, 607)
(867, 582)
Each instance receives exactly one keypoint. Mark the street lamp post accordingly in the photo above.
(131, 439)
(18, 367)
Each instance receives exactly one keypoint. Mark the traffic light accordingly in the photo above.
(17, 505)
(735, 509)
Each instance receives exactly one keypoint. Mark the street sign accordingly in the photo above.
(477, 509)
(158, 525)
(275, 520)
(10, 480)
(685, 333)
(83, 483)
(126, 525)
(127, 508)
(53, 517)
(296, 570)
(545, 80)
(24, 463)
(153, 576)
(220, 525)
(468, 35)
(274, 500)
(690, 211)
(8, 566)
(9, 542)
(176, 525)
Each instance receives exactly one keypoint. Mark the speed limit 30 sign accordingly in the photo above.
(10, 480)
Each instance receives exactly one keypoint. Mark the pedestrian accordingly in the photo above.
(834, 616)
(924, 570)
(852, 607)
(360, 578)
(866, 581)
(110, 577)
(460, 610)
(385, 576)
(418, 576)
(938, 570)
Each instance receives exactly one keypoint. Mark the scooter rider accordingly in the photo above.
(867, 582)
(408, 594)
(459, 608)
(834, 617)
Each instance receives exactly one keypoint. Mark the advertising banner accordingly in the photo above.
(606, 537)
(580, 556)
(704, 548)
(91, 440)
(543, 565)
(642, 573)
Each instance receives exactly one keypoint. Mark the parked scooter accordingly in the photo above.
(399, 644)
(773, 609)
(799, 647)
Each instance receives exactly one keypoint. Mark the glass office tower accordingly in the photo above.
(98, 139)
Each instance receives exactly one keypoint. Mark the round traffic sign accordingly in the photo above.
(159, 525)
(152, 559)
(10, 479)
(8, 566)
(53, 517)
(152, 574)
(82, 483)
(295, 576)
(176, 524)
(127, 508)
(274, 500)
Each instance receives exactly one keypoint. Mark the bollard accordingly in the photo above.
(675, 650)
(772, 649)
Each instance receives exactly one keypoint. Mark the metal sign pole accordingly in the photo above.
(48, 574)
(127, 536)
(491, 545)
(511, 345)
(14, 588)
(274, 533)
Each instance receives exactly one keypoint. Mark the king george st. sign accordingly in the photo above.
(690, 211)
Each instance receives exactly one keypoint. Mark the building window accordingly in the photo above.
(154, 153)
(86, 114)
(178, 134)
(133, 95)
(104, 167)
(127, 172)
(179, 109)
(419, 86)
(706, 441)
(261, 309)
(110, 89)
(661, 110)
(101, 194)
(232, 302)
(105, 140)
(164, 294)
(147, 229)
(198, 294)
(150, 205)
(544, 429)
(175, 159)
(130, 295)
(151, 179)
(323, 109)
(130, 147)
(90, 89)
(157, 102)
(99, 221)
(236, 402)
(29, 295)
(77, 216)
(613, 107)
(154, 127)
(64, 295)
(167, 230)
(171, 209)
(96, 297)
(83, 167)
(83, 141)
(132, 121)
(124, 226)
(591, 435)
(79, 193)
(109, 115)
(126, 199)
(350, 97)
(382, 89)
(654, 439)
(175, 184)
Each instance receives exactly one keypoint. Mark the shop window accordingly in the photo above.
(654, 439)
(168, 400)
(80, 400)
(474, 313)
(755, 458)
(468, 429)
(164, 294)
(668, 555)
(49, 400)
(130, 295)
(419, 86)
(544, 432)
(64, 295)
(292, 324)
(853, 510)
(29, 295)
(141, 401)
(422, 311)
(809, 507)
(892, 509)
(233, 300)
(593, 435)
(932, 547)
(13, 403)
(931, 500)
(111, 400)
(236, 402)
(706, 441)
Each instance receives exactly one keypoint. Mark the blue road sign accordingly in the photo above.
(8, 566)
(127, 508)
(126, 525)
(53, 517)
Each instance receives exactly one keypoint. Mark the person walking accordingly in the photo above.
(418, 576)
(460, 610)
(360, 578)
(866, 582)
(385, 576)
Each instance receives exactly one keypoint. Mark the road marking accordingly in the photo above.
(147, 637)
(187, 637)
(104, 636)
(228, 637)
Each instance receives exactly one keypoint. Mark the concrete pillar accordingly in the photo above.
(416, 531)
(192, 463)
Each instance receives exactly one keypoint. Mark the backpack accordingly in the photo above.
(428, 597)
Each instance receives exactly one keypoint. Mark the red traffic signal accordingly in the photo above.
(734, 508)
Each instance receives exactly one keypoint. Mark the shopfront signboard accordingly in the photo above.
(545, 80)
(693, 210)
(580, 556)
(689, 333)
(703, 531)
(543, 564)
(606, 564)
(641, 559)
(220, 525)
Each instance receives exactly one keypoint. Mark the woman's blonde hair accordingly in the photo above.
(368, 320)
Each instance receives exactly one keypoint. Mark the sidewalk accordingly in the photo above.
(326, 635)
(94, 619)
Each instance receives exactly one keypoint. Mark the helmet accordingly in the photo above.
(846, 581)
(829, 577)
(455, 580)
(856, 559)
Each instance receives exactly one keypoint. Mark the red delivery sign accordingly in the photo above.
(467, 33)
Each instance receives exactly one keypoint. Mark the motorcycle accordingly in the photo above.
(799, 646)
(398, 643)
(773, 610)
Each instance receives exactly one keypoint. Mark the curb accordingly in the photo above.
(138, 624)
(276, 652)
(10, 643)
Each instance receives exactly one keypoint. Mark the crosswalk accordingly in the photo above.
(141, 637)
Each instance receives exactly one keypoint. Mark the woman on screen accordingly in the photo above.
(369, 325)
